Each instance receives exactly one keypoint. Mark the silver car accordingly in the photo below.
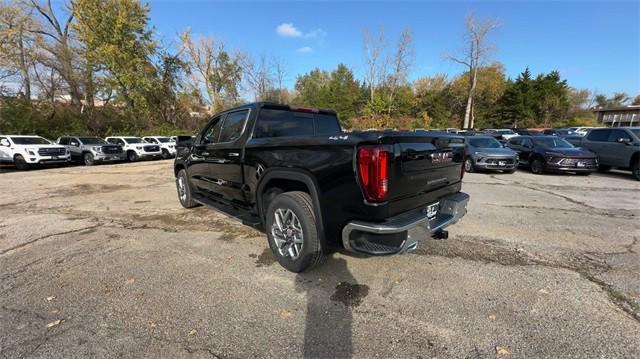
(486, 153)
(615, 147)
(90, 150)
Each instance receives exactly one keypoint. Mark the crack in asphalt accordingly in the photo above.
(496, 254)
(22, 245)
(572, 210)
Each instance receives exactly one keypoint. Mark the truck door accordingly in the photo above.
(224, 158)
(73, 146)
(199, 171)
(619, 148)
(597, 142)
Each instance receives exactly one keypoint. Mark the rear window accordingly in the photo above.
(283, 123)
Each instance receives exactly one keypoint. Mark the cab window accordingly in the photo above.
(616, 135)
(233, 125)
(212, 133)
(64, 141)
(599, 135)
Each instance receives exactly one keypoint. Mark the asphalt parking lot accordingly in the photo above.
(102, 261)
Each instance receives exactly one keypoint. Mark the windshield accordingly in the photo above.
(133, 140)
(92, 141)
(484, 142)
(636, 131)
(551, 142)
(163, 139)
(30, 141)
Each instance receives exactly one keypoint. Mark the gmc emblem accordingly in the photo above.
(440, 157)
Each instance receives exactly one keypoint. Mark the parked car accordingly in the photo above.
(552, 154)
(615, 147)
(25, 151)
(90, 150)
(310, 186)
(486, 153)
(562, 132)
(500, 134)
(167, 146)
(525, 132)
(136, 148)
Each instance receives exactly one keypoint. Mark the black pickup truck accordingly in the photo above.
(312, 188)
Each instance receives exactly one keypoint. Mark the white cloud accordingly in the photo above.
(288, 30)
(305, 50)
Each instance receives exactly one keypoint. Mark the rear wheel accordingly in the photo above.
(292, 231)
(184, 190)
(88, 159)
(468, 165)
(537, 166)
(165, 154)
(21, 163)
(635, 170)
(132, 156)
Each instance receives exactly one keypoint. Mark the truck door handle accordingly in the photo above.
(234, 154)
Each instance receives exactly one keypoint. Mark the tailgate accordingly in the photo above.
(424, 162)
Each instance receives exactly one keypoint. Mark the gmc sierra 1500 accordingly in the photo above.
(293, 172)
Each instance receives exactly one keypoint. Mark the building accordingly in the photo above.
(618, 116)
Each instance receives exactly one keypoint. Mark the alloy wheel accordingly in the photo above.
(287, 233)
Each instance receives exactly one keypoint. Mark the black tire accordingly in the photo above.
(537, 166)
(635, 170)
(165, 154)
(88, 159)
(312, 251)
(186, 199)
(132, 156)
(603, 168)
(21, 163)
(468, 165)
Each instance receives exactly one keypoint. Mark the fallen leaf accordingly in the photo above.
(492, 316)
(502, 350)
(54, 323)
(285, 313)
(192, 332)
(131, 280)
(50, 298)
(543, 291)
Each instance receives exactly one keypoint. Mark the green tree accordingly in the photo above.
(118, 43)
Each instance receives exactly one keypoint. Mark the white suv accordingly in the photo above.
(24, 151)
(136, 148)
(167, 146)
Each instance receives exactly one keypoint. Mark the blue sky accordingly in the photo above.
(594, 45)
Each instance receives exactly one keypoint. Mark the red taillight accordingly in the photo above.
(373, 171)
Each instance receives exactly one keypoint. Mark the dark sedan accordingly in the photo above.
(486, 153)
(552, 154)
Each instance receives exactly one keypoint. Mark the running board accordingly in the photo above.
(245, 218)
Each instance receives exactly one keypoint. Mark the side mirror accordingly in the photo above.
(184, 141)
(626, 141)
(75, 144)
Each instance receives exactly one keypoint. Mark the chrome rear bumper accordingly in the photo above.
(406, 229)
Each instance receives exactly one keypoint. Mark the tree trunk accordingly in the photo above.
(468, 113)
(24, 68)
